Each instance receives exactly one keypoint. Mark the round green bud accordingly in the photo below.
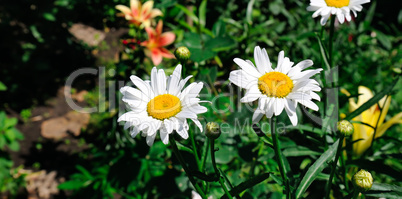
(182, 53)
(345, 128)
(363, 180)
(213, 130)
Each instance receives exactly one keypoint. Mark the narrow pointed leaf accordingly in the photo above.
(316, 169)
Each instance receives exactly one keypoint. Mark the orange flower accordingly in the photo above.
(155, 43)
(139, 14)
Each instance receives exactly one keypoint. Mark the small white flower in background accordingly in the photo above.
(161, 104)
(340, 8)
(276, 89)
(195, 195)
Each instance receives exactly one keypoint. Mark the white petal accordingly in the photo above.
(278, 105)
(154, 80)
(258, 58)
(258, 115)
(315, 96)
(251, 95)
(286, 66)
(267, 62)
(262, 102)
(324, 19)
(161, 84)
(143, 86)
(168, 126)
(309, 104)
(164, 137)
(150, 139)
(242, 79)
(182, 131)
(292, 115)
(281, 56)
(269, 109)
(247, 68)
(290, 105)
(184, 81)
(134, 131)
(299, 96)
(340, 16)
(198, 123)
(186, 114)
(173, 87)
(130, 93)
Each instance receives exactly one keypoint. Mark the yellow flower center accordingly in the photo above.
(164, 106)
(275, 84)
(337, 3)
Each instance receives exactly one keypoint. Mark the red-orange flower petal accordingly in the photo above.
(167, 38)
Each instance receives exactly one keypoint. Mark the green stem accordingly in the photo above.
(186, 169)
(204, 155)
(221, 180)
(331, 176)
(345, 177)
(331, 39)
(195, 152)
(355, 194)
(278, 154)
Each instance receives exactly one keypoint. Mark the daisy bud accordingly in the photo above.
(345, 128)
(363, 180)
(182, 54)
(213, 130)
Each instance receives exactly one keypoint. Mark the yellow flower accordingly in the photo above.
(370, 116)
(138, 14)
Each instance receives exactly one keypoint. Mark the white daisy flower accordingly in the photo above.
(276, 89)
(340, 8)
(161, 104)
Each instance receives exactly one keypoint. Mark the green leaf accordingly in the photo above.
(10, 122)
(248, 184)
(316, 169)
(249, 13)
(208, 75)
(71, 185)
(323, 53)
(384, 194)
(225, 154)
(14, 146)
(299, 151)
(49, 16)
(199, 55)
(188, 13)
(3, 87)
(303, 127)
(219, 28)
(371, 101)
(219, 44)
(385, 187)
(384, 40)
(2, 142)
(9, 133)
(36, 34)
(3, 119)
(84, 171)
(202, 13)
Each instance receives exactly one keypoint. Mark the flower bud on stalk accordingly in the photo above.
(363, 180)
(213, 130)
(345, 128)
(182, 54)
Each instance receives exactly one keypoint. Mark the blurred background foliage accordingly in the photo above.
(39, 52)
